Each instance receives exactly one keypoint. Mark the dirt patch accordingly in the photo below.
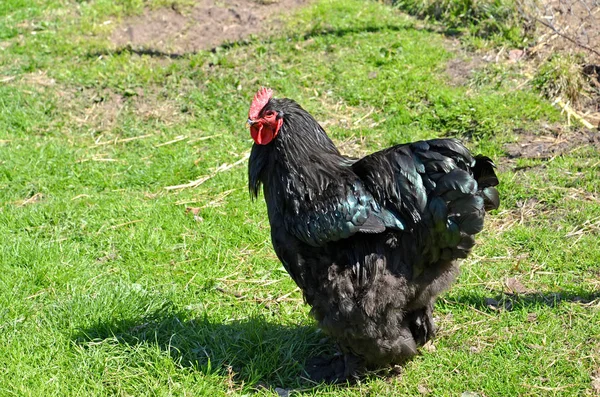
(548, 146)
(39, 78)
(207, 25)
(99, 111)
(460, 70)
(567, 26)
(596, 381)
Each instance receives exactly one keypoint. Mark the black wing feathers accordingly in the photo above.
(393, 177)
(436, 188)
(343, 210)
(436, 185)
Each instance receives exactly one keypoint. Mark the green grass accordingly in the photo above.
(561, 77)
(480, 23)
(109, 287)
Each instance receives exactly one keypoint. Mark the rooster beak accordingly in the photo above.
(250, 122)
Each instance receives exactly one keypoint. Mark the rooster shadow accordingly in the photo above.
(254, 352)
(260, 353)
(317, 31)
(501, 300)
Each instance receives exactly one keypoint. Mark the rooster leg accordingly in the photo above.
(421, 324)
(354, 366)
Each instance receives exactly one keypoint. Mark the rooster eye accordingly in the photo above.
(269, 113)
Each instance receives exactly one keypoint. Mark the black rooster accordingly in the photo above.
(371, 242)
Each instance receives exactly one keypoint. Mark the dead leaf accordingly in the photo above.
(532, 317)
(596, 382)
(423, 389)
(429, 346)
(515, 286)
(515, 55)
(193, 210)
(196, 212)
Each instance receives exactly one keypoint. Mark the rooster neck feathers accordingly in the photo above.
(302, 157)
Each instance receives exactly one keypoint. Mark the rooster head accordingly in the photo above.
(264, 123)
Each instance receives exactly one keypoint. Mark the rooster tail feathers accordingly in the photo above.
(463, 189)
(483, 171)
(453, 149)
(484, 174)
(491, 198)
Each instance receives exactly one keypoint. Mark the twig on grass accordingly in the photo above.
(125, 140)
(175, 140)
(42, 292)
(33, 199)
(225, 167)
(365, 116)
(226, 292)
(100, 159)
(119, 225)
(195, 183)
(284, 297)
(263, 283)
(125, 224)
(189, 282)
(205, 178)
(202, 138)
(588, 226)
(214, 203)
(80, 196)
(572, 113)
(547, 388)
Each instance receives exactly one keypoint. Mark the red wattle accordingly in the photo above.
(261, 135)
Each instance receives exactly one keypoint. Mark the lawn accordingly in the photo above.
(133, 262)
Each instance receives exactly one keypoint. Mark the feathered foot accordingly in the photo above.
(337, 369)
(421, 325)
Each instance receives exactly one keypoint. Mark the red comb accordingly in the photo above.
(259, 101)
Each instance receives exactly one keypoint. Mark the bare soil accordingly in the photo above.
(567, 26)
(461, 69)
(570, 27)
(548, 146)
(208, 24)
(561, 27)
(99, 111)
